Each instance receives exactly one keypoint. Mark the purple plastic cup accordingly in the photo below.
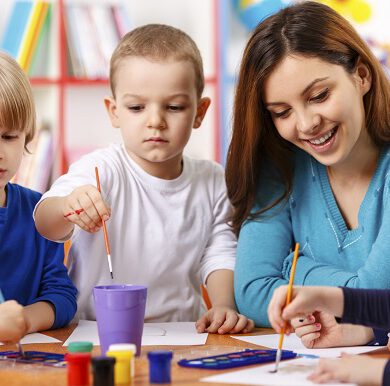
(120, 313)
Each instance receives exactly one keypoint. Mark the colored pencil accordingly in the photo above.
(205, 296)
(106, 241)
(288, 300)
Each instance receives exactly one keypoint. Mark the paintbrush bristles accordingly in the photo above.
(20, 348)
(278, 357)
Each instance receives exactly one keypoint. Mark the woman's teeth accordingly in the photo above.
(323, 139)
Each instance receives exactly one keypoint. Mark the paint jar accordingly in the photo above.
(126, 347)
(103, 371)
(78, 368)
(160, 366)
(122, 365)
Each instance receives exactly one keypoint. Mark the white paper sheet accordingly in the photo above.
(38, 338)
(292, 373)
(178, 333)
(292, 342)
(171, 334)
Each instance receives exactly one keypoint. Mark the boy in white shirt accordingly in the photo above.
(167, 214)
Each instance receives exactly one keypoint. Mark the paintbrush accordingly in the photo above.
(288, 300)
(106, 241)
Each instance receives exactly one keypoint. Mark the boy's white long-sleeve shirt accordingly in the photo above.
(168, 235)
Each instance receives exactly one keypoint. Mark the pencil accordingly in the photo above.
(20, 348)
(288, 300)
(106, 241)
(205, 296)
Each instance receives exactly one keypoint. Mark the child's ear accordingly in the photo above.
(363, 76)
(203, 106)
(110, 104)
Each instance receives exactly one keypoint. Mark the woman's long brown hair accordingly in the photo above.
(308, 29)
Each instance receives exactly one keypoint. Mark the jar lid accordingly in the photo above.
(103, 361)
(123, 347)
(80, 347)
(160, 355)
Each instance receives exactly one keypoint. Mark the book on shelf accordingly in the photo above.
(35, 169)
(122, 20)
(40, 60)
(92, 32)
(24, 29)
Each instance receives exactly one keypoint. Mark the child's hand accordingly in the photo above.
(304, 301)
(224, 320)
(318, 330)
(321, 330)
(85, 207)
(13, 324)
(360, 369)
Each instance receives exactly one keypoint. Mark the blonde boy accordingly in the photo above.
(167, 213)
(33, 280)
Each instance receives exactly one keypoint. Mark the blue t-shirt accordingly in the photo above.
(31, 267)
(330, 253)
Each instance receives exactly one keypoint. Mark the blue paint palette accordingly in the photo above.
(235, 359)
(35, 357)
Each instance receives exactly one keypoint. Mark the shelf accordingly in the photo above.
(85, 81)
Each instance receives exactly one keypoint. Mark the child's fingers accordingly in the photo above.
(307, 329)
(276, 306)
(90, 216)
(323, 377)
(74, 211)
(86, 208)
(302, 321)
(202, 323)
(325, 371)
(216, 322)
(102, 211)
(309, 340)
(241, 324)
(250, 325)
(234, 323)
(81, 219)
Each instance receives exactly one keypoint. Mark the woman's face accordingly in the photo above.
(318, 107)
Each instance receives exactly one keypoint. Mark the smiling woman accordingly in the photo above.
(309, 159)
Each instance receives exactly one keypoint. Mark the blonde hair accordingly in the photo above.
(17, 109)
(158, 42)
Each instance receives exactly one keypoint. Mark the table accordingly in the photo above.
(29, 375)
